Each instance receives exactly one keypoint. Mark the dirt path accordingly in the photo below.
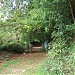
(23, 64)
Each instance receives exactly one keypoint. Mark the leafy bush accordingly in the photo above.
(12, 47)
(4, 47)
(60, 61)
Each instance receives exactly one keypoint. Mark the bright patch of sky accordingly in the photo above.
(14, 4)
(0, 5)
(11, 7)
(25, 2)
(0, 9)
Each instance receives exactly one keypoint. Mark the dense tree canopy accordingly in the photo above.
(24, 21)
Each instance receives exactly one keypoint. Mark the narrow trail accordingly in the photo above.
(24, 64)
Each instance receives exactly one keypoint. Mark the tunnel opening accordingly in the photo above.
(36, 43)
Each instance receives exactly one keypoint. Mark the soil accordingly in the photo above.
(27, 64)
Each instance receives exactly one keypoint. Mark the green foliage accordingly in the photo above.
(61, 55)
(70, 28)
(12, 47)
(60, 61)
(41, 20)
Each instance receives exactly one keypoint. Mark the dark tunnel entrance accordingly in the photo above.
(36, 43)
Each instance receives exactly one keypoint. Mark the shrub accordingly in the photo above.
(4, 47)
(60, 61)
(12, 47)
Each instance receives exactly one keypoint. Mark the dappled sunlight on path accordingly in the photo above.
(24, 64)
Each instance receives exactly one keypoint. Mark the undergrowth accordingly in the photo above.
(61, 59)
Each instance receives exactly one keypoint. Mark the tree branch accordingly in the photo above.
(71, 10)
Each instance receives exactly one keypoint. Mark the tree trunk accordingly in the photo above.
(72, 14)
(71, 9)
